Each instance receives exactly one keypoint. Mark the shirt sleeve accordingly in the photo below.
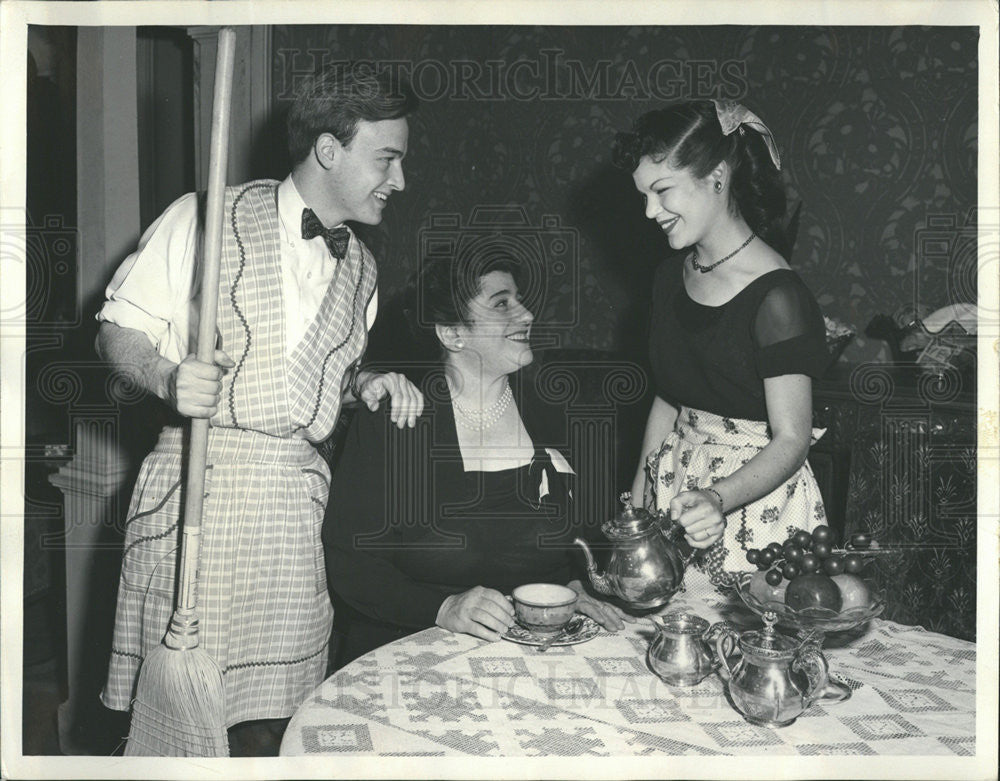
(372, 311)
(789, 335)
(153, 289)
(359, 537)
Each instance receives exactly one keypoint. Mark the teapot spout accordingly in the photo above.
(598, 580)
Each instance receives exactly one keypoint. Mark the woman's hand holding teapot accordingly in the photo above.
(700, 513)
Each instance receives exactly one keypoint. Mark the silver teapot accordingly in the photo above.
(680, 653)
(646, 566)
(777, 678)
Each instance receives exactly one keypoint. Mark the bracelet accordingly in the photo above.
(722, 506)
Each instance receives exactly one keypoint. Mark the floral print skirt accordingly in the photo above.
(705, 448)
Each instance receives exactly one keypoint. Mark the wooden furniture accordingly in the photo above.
(899, 460)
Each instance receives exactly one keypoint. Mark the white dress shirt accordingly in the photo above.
(151, 291)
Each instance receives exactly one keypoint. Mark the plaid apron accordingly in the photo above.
(265, 615)
(705, 448)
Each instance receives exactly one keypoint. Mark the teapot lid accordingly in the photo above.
(632, 522)
(768, 643)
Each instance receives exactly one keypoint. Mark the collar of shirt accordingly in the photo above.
(307, 267)
(290, 206)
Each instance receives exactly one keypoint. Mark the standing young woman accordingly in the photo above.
(736, 337)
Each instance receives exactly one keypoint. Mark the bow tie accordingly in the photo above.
(336, 239)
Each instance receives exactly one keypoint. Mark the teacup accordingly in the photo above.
(544, 608)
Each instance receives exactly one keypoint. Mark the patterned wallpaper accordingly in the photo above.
(876, 126)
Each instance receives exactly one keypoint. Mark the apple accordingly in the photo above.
(854, 592)
(814, 590)
(764, 592)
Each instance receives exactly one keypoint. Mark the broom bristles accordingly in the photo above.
(179, 707)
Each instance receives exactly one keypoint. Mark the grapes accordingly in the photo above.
(793, 553)
(822, 534)
(809, 553)
(834, 565)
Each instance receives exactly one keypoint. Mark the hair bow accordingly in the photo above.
(732, 115)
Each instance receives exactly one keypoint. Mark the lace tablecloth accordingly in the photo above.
(438, 694)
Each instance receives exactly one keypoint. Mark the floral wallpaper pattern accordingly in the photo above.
(876, 127)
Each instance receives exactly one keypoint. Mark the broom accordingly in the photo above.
(179, 706)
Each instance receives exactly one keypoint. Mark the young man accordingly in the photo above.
(296, 297)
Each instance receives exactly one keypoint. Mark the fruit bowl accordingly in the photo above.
(811, 619)
(812, 624)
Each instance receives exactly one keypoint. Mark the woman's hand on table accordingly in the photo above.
(609, 616)
(700, 513)
(481, 612)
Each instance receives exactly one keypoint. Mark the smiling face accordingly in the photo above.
(361, 176)
(497, 335)
(683, 206)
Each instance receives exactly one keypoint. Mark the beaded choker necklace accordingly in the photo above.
(482, 419)
(706, 269)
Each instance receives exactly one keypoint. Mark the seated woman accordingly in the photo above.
(436, 524)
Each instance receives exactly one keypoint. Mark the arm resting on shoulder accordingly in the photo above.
(370, 388)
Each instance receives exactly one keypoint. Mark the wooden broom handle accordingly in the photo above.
(212, 255)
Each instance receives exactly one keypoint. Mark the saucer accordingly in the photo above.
(587, 631)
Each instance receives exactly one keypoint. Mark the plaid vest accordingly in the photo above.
(268, 391)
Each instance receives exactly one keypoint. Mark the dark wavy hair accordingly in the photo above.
(689, 136)
(442, 292)
(336, 99)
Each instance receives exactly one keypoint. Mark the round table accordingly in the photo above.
(438, 694)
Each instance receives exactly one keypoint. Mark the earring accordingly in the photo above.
(718, 186)
(459, 344)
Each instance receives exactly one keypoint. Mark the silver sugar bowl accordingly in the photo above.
(776, 679)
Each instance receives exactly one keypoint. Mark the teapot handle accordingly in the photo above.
(811, 661)
(667, 524)
(725, 637)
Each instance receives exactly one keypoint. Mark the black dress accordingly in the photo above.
(407, 526)
(710, 362)
(715, 358)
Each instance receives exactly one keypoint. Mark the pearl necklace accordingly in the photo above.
(706, 269)
(482, 419)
